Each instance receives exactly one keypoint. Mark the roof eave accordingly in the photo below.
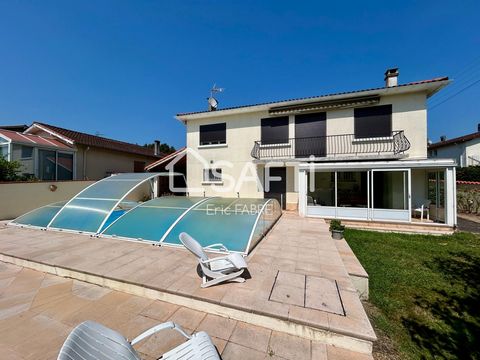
(50, 131)
(430, 88)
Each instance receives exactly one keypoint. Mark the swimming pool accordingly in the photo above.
(237, 223)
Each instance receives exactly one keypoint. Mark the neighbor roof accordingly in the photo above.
(431, 86)
(32, 140)
(96, 141)
(454, 141)
(165, 160)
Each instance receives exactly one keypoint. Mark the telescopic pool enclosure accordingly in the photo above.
(104, 209)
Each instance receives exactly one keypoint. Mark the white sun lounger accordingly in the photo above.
(93, 341)
(219, 269)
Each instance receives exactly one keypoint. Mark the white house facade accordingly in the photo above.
(359, 155)
(464, 149)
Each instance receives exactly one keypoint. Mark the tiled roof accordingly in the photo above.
(453, 141)
(32, 140)
(164, 160)
(100, 142)
(321, 96)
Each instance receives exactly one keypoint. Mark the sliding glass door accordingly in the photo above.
(390, 195)
(360, 195)
(436, 195)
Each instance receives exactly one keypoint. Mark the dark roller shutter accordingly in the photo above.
(275, 130)
(375, 121)
(213, 134)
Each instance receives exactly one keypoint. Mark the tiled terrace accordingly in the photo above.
(38, 311)
(298, 286)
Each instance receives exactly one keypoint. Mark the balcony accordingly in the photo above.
(334, 148)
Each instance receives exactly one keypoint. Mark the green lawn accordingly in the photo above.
(426, 290)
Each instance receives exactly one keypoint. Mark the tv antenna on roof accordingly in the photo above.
(212, 102)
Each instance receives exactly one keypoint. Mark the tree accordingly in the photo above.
(9, 170)
(470, 173)
(164, 148)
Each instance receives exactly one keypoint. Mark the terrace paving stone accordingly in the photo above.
(159, 310)
(322, 294)
(289, 347)
(217, 326)
(234, 351)
(288, 295)
(187, 318)
(251, 336)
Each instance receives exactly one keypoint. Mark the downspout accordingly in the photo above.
(85, 162)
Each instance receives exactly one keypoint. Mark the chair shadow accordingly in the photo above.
(455, 310)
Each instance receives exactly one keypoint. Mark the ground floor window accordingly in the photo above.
(321, 189)
(361, 194)
(64, 166)
(55, 166)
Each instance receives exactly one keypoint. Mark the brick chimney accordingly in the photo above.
(391, 77)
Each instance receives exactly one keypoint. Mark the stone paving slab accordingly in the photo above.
(55, 305)
(296, 245)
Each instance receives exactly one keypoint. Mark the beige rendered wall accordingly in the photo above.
(242, 130)
(409, 114)
(102, 162)
(17, 198)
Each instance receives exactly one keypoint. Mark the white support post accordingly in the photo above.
(454, 196)
(450, 203)
(302, 193)
(155, 187)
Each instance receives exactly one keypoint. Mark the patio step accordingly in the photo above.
(412, 228)
(355, 270)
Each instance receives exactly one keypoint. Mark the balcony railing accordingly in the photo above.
(333, 147)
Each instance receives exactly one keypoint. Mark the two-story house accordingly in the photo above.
(358, 155)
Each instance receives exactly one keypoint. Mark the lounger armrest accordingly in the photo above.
(216, 259)
(157, 328)
(223, 247)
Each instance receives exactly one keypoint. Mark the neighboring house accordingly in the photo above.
(40, 157)
(464, 149)
(50, 152)
(175, 162)
(367, 150)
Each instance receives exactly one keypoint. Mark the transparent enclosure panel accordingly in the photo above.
(152, 219)
(91, 207)
(267, 218)
(40, 217)
(109, 189)
(220, 220)
(83, 214)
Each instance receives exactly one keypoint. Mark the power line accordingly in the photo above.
(457, 93)
(452, 89)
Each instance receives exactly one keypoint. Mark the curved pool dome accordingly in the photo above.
(93, 208)
(104, 209)
(237, 223)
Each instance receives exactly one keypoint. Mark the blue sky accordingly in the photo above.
(125, 68)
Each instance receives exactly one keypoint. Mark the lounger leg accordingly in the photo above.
(230, 277)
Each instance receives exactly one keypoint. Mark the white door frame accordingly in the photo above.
(409, 184)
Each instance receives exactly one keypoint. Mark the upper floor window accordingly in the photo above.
(373, 122)
(213, 134)
(275, 130)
